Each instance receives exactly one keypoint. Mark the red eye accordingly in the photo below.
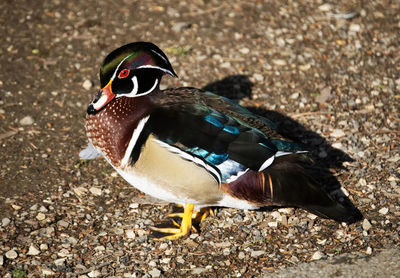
(123, 73)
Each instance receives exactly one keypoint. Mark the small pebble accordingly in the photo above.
(384, 211)
(5, 222)
(241, 255)
(11, 254)
(40, 216)
(294, 96)
(197, 270)
(131, 234)
(47, 272)
(60, 262)
(95, 191)
(33, 251)
(27, 120)
(244, 50)
(337, 133)
(366, 225)
(94, 273)
(43, 246)
(155, 272)
(325, 7)
(63, 223)
(317, 256)
(87, 84)
(1, 260)
(368, 251)
(279, 62)
(256, 254)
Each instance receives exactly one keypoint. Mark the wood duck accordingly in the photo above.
(193, 147)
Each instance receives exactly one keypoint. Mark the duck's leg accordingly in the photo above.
(184, 228)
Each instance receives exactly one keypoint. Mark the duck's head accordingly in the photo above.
(133, 70)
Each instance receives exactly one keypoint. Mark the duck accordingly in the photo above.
(195, 148)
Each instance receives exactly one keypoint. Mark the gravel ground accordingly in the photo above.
(327, 72)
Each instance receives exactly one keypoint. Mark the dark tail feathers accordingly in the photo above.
(293, 186)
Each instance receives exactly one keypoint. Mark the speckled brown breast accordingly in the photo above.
(110, 130)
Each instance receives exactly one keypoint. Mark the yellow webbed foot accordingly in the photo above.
(184, 228)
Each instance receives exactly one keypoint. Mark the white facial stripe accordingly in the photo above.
(100, 102)
(192, 158)
(159, 54)
(149, 91)
(155, 67)
(132, 142)
(116, 70)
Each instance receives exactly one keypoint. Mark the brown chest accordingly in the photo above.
(111, 129)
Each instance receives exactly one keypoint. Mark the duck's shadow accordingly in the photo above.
(325, 157)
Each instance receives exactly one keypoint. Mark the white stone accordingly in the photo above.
(130, 234)
(384, 210)
(134, 205)
(244, 50)
(295, 96)
(369, 250)
(279, 62)
(5, 222)
(325, 7)
(273, 224)
(1, 260)
(276, 215)
(94, 273)
(27, 120)
(87, 84)
(63, 223)
(197, 270)
(40, 216)
(305, 67)
(63, 253)
(256, 254)
(366, 225)
(258, 77)
(317, 256)
(80, 191)
(163, 246)
(95, 191)
(337, 133)
(155, 272)
(47, 272)
(11, 254)
(43, 246)
(241, 255)
(33, 251)
(355, 27)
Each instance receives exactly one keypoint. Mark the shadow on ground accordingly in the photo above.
(236, 87)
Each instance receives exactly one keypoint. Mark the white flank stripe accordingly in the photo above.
(132, 142)
(196, 160)
(266, 163)
(235, 177)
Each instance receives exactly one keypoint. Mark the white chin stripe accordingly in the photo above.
(132, 142)
(100, 102)
(149, 91)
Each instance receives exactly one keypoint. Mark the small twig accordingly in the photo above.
(8, 134)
